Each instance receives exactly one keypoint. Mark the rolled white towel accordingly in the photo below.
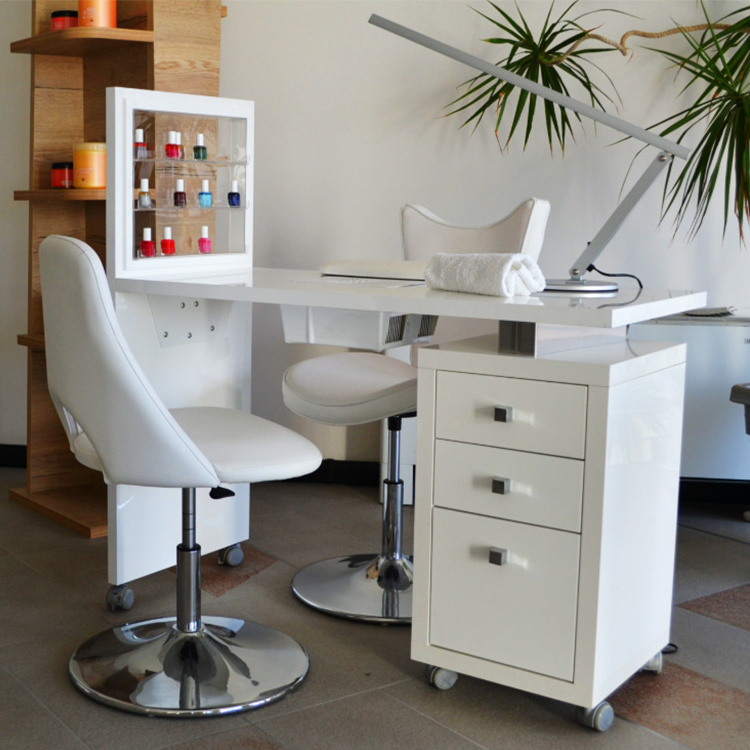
(497, 274)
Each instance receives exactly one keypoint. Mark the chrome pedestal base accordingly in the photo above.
(371, 588)
(151, 667)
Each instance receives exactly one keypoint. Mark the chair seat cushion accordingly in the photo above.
(245, 448)
(241, 447)
(350, 388)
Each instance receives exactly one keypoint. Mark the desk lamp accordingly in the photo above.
(668, 150)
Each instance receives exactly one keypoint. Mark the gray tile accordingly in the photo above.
(707, 563)
(33, 607)
(43, 672)
(499, 718)
(362, 722)
(28, 724)
(713, 648)
(244, 738)
(346, 658)
(719, 519)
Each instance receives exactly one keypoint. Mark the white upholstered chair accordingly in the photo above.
(353, 388)
(173, 666)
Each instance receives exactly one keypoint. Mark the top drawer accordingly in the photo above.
(542, 417)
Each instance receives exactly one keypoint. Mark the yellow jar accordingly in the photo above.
(90, 165)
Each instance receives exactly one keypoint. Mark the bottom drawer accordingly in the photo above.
(522, 612)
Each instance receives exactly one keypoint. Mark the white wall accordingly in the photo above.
(350, 126)
(15, 23)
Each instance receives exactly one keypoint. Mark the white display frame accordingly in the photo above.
(122, 103)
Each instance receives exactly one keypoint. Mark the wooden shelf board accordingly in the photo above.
(82, 508)
(60, 194)
(32, 340)
(80, 41)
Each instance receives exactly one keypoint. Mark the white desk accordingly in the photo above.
(602, 411)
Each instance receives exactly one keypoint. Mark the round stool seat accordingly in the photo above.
(350, 388)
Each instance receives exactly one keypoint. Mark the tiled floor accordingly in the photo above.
(363, 691)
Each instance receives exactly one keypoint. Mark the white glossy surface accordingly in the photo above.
(633, 416)
(309, 288)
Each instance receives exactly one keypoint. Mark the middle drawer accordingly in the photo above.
(528, 487)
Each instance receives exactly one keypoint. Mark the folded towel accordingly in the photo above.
(497, 274)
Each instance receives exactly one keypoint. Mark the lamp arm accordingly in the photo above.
(602, 238)
(617, 123)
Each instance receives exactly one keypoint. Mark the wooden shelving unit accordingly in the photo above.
(160, 45)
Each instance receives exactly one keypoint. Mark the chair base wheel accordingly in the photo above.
(360, 587)
(120, 597)
(150, 667)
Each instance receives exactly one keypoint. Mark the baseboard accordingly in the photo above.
(13, 456)
(715, 491)
(332, 471)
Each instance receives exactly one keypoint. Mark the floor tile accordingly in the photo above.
(731, 606)
(707, 563)
(363, 722)
(500, 718)
(693, 709)
(712, 648)
(27, 724)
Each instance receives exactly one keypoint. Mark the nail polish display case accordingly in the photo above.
(226, 127)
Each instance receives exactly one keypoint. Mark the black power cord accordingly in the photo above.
(592, 267)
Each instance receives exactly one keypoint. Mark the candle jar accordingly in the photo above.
(90, 165)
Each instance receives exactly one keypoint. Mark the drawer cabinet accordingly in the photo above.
(545, 513)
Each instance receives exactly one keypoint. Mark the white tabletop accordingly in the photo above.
(310, 289)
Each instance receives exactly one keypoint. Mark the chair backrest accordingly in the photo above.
(97, 386)
(521, 231)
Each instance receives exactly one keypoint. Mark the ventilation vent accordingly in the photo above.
(427, 325)
(396, 325)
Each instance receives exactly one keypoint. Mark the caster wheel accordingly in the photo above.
(442, 679)
(231, 556)
(120, 597)
(599, 717)
(654, 665)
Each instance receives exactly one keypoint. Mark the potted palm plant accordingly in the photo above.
(714, 67)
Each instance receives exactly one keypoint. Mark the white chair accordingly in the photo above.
(173, 666)
(357, 387)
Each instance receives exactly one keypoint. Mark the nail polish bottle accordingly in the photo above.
(205, 199)
(233, 197)
(167, 244)
(204, 243)
(144, 197)
(140, 150)
(200, 152)
(180, 198)
(172, 150)
(148, 249)
(180, 147)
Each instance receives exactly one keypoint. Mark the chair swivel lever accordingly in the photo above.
(218, 493)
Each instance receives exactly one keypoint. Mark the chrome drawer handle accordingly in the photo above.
(501, 485)
(498, 556)
(503, 413)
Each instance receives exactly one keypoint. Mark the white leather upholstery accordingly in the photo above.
(521, 231)
(114, 419)
(350, 388)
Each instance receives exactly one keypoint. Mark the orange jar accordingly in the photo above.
(90, 165)
(97, 13)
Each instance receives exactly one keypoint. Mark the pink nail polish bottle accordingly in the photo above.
(204, 243)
